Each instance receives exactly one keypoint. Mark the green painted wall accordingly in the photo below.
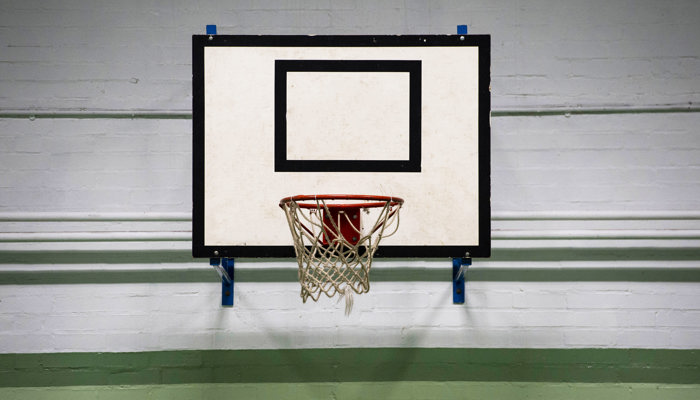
(387, 373)
(352, 365)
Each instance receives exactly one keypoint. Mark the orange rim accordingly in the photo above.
(368, 201)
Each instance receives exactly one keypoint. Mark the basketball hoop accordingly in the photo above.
(334, 242)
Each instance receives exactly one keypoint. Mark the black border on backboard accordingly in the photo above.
(482, 42)
(412, 164)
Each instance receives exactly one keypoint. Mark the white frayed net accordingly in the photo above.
(329, 262)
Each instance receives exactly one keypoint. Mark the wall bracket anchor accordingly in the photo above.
(224, 267)
(459, 272)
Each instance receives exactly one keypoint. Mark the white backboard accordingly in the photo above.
(405, 116)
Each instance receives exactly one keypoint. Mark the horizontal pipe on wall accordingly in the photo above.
(10, 216)
(94, 216)
(602, 234)
(594, 215)
(182, 114)
(94, 236)
(583, 234)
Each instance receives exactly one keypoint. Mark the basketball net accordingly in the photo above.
(335, 243)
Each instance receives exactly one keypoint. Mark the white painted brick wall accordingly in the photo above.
(592, 162)
(79, 57)
(138, 317)
(95, 164)
(117, 56)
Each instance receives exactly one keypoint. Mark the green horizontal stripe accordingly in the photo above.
(351, 365)
(107, 277)
(500, 254)
(96, 257)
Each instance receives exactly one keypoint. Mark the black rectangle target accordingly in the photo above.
(412, 164)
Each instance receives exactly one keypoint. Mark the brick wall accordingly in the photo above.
(152, 317)
(595, 188)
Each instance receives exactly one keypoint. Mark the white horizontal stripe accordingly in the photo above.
(437, 265)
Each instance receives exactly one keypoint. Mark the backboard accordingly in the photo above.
(405, 116)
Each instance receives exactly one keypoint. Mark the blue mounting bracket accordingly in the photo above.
(224, 267)
(211, 31)
(459, 270)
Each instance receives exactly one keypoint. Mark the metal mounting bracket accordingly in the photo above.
(224, 267)
(459, 271)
